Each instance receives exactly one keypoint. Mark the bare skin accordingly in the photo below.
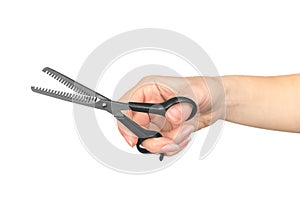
(264, 102)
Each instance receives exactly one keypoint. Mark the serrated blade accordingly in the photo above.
(75, 86)
(75, 98)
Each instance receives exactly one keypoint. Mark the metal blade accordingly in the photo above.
(75, 86)
(79, 99)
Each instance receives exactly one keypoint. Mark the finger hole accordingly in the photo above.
(179, 113)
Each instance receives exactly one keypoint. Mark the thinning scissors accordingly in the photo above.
(87, 97)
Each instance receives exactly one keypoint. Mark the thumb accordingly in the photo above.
(179, 113)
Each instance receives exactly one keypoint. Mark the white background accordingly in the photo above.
(40, 153)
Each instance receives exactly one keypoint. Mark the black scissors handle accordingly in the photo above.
(140, 132)
(159, 109)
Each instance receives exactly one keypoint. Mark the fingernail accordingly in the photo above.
(170, 148)
(184, 143)
(187, 131)
(184, 133)
(129, 142)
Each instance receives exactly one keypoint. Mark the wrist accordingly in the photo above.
(200, 89)
(238, 95)
(210, 92)
(229, 83)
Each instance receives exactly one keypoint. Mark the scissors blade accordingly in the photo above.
(79, 99)
(74, 85)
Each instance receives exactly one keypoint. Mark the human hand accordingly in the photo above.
(174, 128)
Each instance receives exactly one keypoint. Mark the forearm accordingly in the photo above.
(264, 102)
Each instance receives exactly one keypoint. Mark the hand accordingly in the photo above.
(175, 129)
